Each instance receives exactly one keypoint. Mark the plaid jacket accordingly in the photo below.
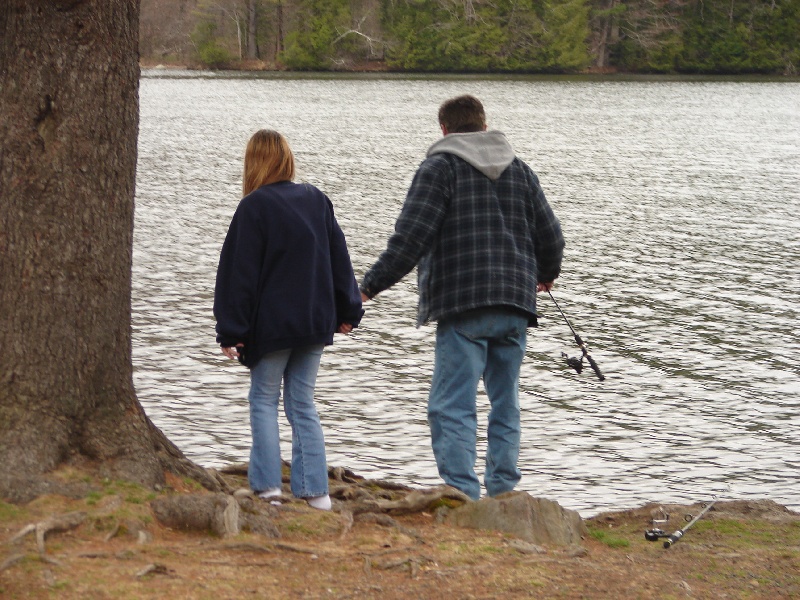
(477, 242)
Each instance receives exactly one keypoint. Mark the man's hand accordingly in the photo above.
(345, 328)
(364, 297)
(544, 286)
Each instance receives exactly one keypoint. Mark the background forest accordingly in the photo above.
(550, 36)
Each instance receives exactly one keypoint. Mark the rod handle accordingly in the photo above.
(595, 368)
(673, 538)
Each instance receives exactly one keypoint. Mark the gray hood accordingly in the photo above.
(487, 151)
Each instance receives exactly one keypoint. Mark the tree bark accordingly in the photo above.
(69, 78)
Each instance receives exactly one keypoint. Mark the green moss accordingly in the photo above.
(192, 485)
(448, 502)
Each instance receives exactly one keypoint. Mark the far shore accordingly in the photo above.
(380, 67)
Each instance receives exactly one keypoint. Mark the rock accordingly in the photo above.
(576, 551)
(535, 520)
(526, 547)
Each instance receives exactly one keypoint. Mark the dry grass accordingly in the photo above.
(739, 550)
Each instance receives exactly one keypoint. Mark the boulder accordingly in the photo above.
(535, 520)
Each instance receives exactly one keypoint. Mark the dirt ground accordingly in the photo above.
(739, 549)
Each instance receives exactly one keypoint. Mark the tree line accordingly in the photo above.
(526, 36)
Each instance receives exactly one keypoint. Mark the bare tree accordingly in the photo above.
(252, 22)
(69, 79)
(279, 46)
(165, 28)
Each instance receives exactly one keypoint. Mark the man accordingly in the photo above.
(477, 224)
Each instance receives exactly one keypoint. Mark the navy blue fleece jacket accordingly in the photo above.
(285, 279)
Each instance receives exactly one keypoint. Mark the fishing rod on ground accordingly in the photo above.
(577, 363)
(653, 535)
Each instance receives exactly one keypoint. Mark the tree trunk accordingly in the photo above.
(69, 78)
(608, 33)
(252, 46)
(279, 27)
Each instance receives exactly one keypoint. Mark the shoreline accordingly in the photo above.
(112, 544)
(380, 69)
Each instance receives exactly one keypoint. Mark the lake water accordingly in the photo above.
(680, 203)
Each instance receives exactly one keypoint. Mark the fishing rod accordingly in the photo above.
(653, 535)
(577, 363)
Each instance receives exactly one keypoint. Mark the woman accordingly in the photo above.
(284, 285)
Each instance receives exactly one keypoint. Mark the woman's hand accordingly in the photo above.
(232, 352)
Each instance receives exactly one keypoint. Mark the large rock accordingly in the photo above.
(535, 520)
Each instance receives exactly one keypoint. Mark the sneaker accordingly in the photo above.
(270, 493)
(320, 502)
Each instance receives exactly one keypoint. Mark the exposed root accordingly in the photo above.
(11, 561)
(423, 500)
(155, 569)
(53, 524)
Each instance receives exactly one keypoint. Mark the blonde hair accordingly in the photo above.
(267, 159)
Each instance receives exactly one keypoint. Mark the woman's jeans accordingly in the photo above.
(297, 368)
(490, 344)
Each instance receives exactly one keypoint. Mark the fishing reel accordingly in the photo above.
(574, 362)
(653, 535)
(577, 363)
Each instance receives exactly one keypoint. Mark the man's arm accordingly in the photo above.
(415, 229)
(547, 236)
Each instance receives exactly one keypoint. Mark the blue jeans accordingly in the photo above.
(488, 343)
(297, 368)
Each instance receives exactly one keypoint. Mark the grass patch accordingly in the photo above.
(92, 498)
(133, 493)
(612, 541)
(9, 512)
(744, 534)
(310, 524)
(487, 549)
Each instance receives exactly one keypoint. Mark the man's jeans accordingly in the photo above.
(488, 343)
(298, 369)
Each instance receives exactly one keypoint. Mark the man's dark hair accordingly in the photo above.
(463, 114)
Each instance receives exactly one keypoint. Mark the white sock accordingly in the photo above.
(320, 502)
(271, 493)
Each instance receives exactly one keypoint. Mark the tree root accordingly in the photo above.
(424, 500)
(156, 569)
(11, 561)
(57, 524)
(222, 514)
